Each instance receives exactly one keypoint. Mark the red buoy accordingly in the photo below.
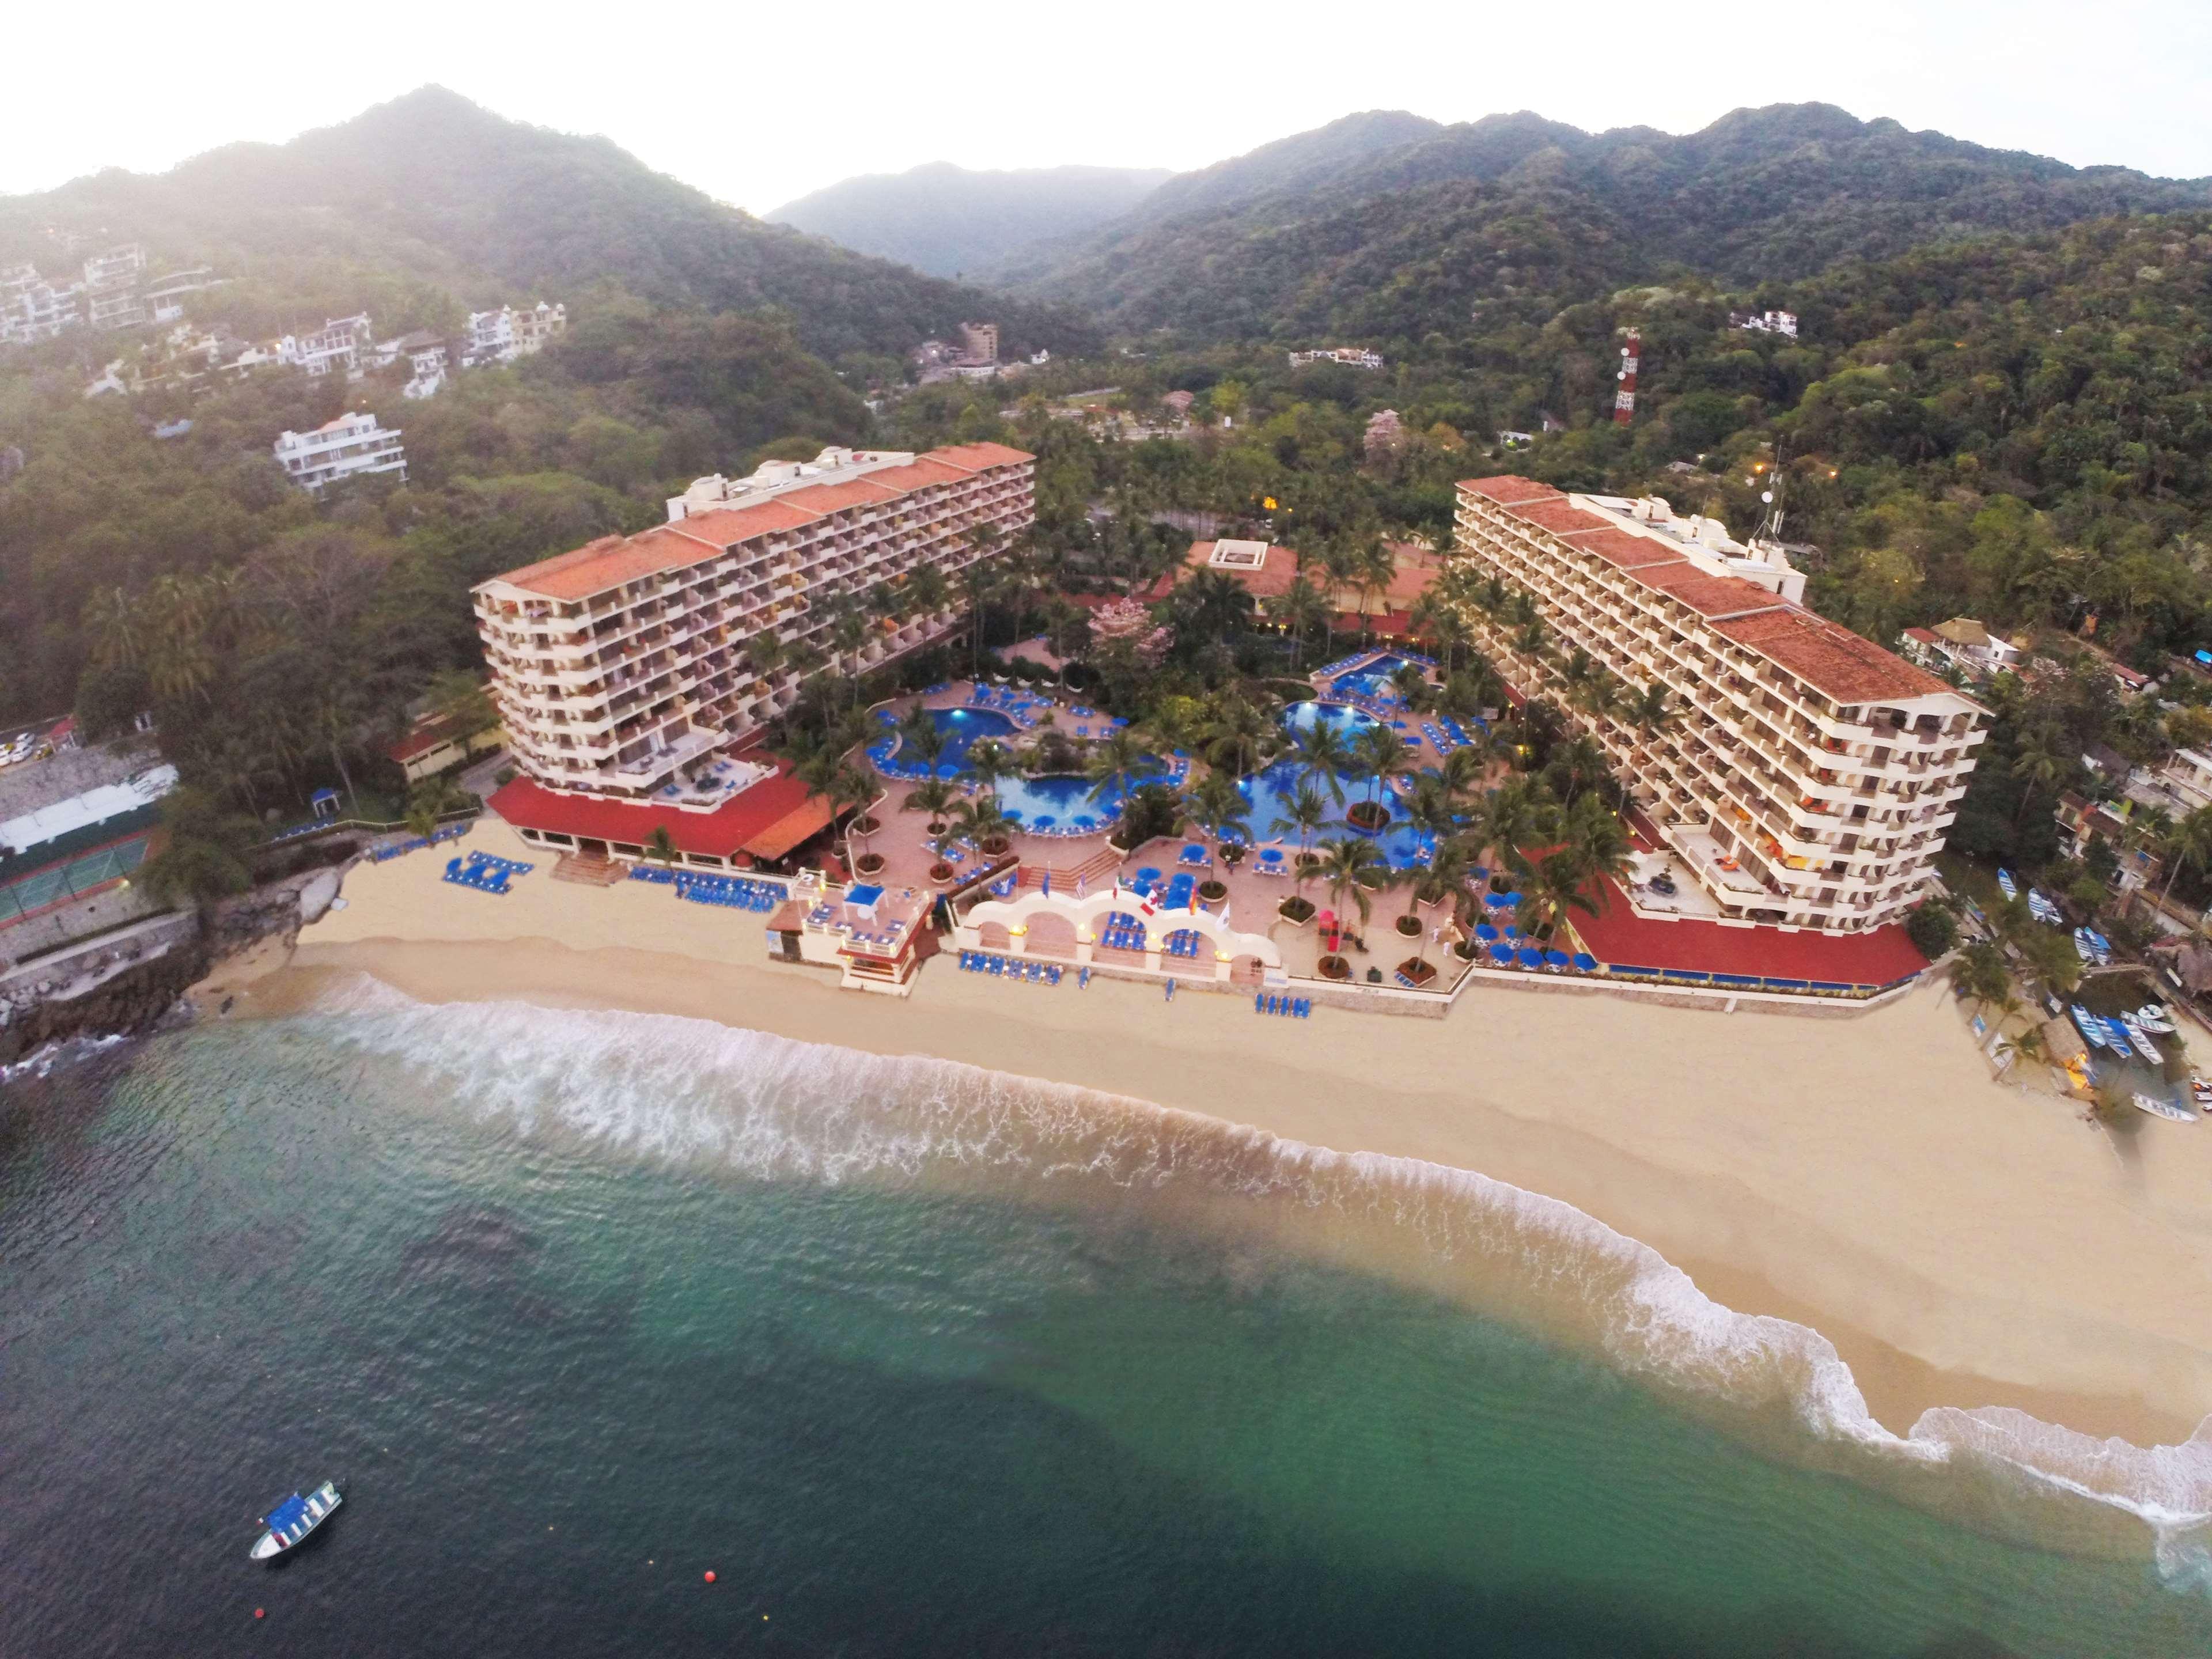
(257, 1613)
(710, 1577)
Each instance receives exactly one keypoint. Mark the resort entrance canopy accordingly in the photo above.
(789, 831)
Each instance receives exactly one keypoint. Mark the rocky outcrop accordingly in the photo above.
(135, 1000)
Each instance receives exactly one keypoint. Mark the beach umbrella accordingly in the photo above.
(1501, 954)
(1495, 901)
(1510, 900)
(1485, 932)
(1584, 962)
(1530, 959)
(1555, 958)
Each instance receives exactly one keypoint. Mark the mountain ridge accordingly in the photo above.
(944, 220)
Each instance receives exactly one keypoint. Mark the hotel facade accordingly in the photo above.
(1808, 777)
(621, 665)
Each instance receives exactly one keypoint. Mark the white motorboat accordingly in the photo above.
(2165, 1108)
(2139, 1041)
(2153, 1018)
(290, 1522)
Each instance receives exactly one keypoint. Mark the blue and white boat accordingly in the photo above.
(2091, 1028)
(290, 1522)
(2006, 886)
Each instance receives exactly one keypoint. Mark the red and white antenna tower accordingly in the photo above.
(1623, 401)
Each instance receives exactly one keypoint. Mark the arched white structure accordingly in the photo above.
(1086, 913)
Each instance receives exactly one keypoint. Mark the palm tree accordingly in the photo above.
(1462, 771)
(768, 653)
(2189, 843)
(924, 739)
(1650, 711)
(1219, 808)
(114, 624)
(932, 795)
(848, 632)
(1519, 814)
(927, 591)
(1555, 883)
(1376, 568)
(990, 761)
(1982, 973)
(979, 818)
(1443, 878)
(1380, 754)
(1598, 840)
(1323, 753)
(1114, 759)
(1352, 866)
(661, 845)
(1299, 609)
(1238, 730)
(1306, 811)
(1412, 686)
(849, 787)
(1575, 766)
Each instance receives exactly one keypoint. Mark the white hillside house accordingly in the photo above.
(347, 447)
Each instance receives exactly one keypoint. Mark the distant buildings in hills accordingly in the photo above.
(1766, 322)
(346, 345)
(114, 289)
(1356, 356)
(347, 447)
(975, 358)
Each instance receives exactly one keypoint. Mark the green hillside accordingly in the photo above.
(432, 191)
(1397, 230)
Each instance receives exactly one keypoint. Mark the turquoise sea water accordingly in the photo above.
(580, 1307)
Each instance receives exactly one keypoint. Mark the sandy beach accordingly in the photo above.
(1963, 1241)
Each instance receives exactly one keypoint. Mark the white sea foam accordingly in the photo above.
(74, 1051)
(668, 1087)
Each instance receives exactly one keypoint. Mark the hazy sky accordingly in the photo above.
(757, 105)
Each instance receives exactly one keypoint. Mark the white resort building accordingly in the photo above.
(618, 663)
(1810, 775)
(343, 448)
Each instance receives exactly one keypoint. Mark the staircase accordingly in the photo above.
(589, 870)
(1097, 867)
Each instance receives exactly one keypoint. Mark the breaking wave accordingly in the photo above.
(690, 1092)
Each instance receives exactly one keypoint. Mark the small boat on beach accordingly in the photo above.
(2139, 1040)
(291, 1520)
(2199, 1090)
(2165, 1108)
(2153, 1018)
(2042, 909)
(2006, 886)
(2091, 1028)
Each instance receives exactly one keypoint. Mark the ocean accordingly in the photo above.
(579, 1308)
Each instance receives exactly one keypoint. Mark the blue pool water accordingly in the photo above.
(1271, 790)
(965, 727)
(1053, 801)
(1302, 717)
(1373, 678)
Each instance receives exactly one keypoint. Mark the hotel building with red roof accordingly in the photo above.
(619, 667)
(1810, 775)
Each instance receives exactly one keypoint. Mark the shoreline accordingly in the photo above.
(1910, 1340)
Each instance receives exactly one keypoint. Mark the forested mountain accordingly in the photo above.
(949, 221)
(1394, 229)
(433, 191)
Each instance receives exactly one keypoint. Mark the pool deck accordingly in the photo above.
(1087, 862)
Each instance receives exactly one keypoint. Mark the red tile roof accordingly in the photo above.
(1708, 595)
(765, 814)
(835, 497)
(1619, 936)
(727, 527)
(976, 457)
(1509, 490)
(1558, 515)
(1618, 546)
(1271, 577)
(611, 561)
(1831, 659)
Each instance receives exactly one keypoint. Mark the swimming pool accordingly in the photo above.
(1269, 792)
(1056, 800)
(1302, 717)
(963, 728)
(1372, 677)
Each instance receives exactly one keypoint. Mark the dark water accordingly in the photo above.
(563, 1373)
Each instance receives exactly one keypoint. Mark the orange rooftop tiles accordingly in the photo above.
(1509, 490)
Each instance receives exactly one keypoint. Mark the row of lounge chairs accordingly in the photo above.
(1270, 1003)
(734, 892)
(450, 832)
(1032, 973)
(482, 873)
